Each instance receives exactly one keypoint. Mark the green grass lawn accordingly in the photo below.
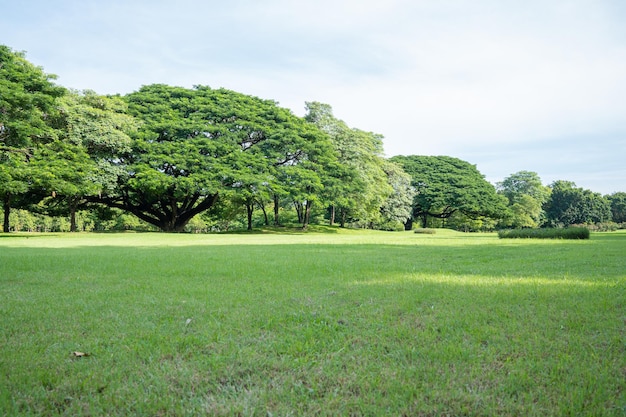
(327, 323)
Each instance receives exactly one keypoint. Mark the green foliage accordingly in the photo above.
(425, 231)
(360, 183)
(27, 98)
(523, 183)
(549, 233)
(569, 205)
(391, 226)
(526, 196)
(93, 134)
(398, 206)
(618, 206)
(27, 116)
(461, 222)
(600, 227)
(445, 185)
(197, 144)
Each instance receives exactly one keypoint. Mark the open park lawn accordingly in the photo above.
(328, 322)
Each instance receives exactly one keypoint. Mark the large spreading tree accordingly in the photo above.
(196, 144)
(445, 185)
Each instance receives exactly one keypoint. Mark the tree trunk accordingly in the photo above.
(175, 221)
(408, 225)
(72, 215)
(307, 214)
(6, 206)
(343, 218)
(267, 220)
(276, 208)
(298, 207)
(250, 210)
(332, 215)
(424, 221)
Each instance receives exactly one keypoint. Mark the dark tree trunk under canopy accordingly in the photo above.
(276, 210)
(73, 203)
(307, 214)
(6, 206)
(169, 215)
(249, 211)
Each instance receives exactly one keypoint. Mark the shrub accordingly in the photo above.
(425, 231)
(549, 233)
(391, 226)
(600, 227)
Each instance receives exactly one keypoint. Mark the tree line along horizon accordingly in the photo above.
(201, 159)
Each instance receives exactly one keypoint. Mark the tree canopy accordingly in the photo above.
(526, 196)
(569, 204)
(195, 144)
(618, 206)
(92, 135)
(361, 185)
(27, 115)
(445, 185)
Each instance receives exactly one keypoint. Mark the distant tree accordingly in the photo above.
(618, 206)
(445, 185)
(27, 108)
(569, 204)
(597, 209)
(526, 196)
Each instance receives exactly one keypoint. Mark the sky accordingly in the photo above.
(509, 86)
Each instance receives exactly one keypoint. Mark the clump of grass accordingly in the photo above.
(425, 231)
(567, 233)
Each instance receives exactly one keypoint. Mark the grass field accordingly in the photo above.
(327, 323)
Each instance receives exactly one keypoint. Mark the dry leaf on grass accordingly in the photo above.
(80, 354)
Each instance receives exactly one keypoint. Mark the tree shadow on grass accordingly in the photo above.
(23, 235)
(285, 230)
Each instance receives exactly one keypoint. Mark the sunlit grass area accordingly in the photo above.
(330, 322)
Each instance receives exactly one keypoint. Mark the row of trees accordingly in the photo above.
(562, 203)
(171, 156)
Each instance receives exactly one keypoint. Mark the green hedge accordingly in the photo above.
(425, 231)
(551, 233)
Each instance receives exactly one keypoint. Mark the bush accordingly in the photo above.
(391, 226)
(425, 231)
(600, 227)
(549, 233)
